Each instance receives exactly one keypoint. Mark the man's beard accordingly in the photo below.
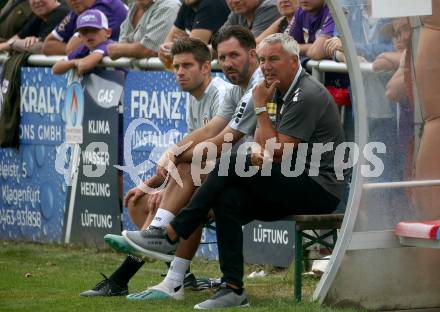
(242, 75)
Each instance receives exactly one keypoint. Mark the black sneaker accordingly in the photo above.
(105, 288)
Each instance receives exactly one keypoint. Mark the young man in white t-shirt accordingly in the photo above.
(192, 66)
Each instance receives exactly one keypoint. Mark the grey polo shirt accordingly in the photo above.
(308, 113)
(265, 14)
(202, 110)
(238, 106)
(154, 25)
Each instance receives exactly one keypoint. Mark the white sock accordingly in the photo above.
(162, 218)
(176, 273)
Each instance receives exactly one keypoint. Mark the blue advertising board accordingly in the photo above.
(33, 193)
(34, 180)
(154, 119)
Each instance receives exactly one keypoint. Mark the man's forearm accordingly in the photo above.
(316, 51)
(135, 50)
(304, 48)
(197, 136)
(218, 140)
(54, 47)
(35, 48)
(265, 129)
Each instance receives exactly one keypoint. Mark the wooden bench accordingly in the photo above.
(304, 223)
(419, 233)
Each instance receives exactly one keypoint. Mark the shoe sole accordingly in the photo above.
(116, 246)
(126, 249)
(104, 295)
(153, 294)
(197, 307)
(147, 253)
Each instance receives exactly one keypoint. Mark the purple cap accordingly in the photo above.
(92, 19)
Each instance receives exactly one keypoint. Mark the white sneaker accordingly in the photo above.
(161, 292)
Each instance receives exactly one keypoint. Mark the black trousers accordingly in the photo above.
(237, 201)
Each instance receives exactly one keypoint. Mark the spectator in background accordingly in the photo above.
(369, 34)
(287, 9)
(63, 39)
(147, 24)
(397, 94)
(401, 33)
(13, 16)
(46, 15)
(312, 25)
(198, 19)
(372, 37)
(94, 34)
(255, 15)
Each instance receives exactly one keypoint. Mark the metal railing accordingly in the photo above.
(155, 64)
(152, 63)
(317, 68)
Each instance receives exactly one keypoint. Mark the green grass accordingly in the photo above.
(36, 277)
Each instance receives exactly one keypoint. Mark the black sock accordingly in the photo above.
(126, 270)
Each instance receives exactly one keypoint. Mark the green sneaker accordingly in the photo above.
(158, 292)
(119, 244)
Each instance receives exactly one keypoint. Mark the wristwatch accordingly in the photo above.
(259, 110)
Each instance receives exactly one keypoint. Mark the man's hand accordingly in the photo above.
(263, 93)
(136, 192)
(165, 54)
(30, 41)
(387, 61)
(331, 45)
(134, 195)
(257, 159)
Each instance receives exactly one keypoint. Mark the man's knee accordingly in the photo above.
(137, 208)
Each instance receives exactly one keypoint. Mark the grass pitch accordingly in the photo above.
(36, 277)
